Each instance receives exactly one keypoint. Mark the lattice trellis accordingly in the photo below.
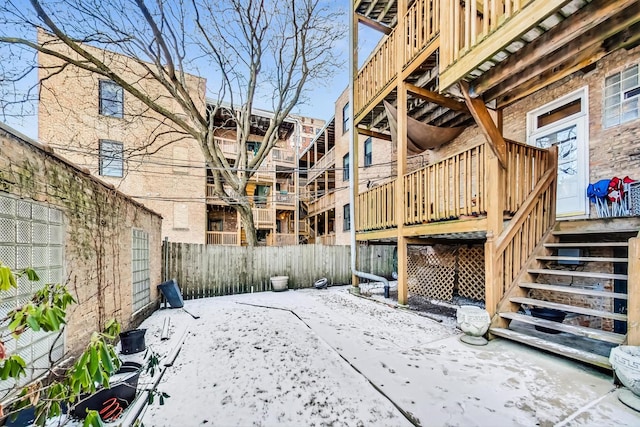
(471, 283)
(441, 271)
(431, 271)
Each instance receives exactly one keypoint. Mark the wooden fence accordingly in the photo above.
(208, 270)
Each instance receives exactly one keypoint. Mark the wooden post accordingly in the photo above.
(495, 208)
(633, 291)
(402, 157)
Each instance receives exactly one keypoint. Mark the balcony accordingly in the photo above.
(229, 147)
(284, 199)
(281, 239)
(213, 199)
(222, 238)
(455, 188)
(282, 155)
(322, 204)
(264, 218)
(325, 162)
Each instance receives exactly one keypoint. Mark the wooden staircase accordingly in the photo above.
(581, 270)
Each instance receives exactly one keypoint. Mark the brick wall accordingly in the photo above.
(98, 222)
(163, 167)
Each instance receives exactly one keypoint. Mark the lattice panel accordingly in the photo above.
(431, 271)
(471, 283)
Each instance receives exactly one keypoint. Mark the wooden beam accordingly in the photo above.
(437, 98)
(633, 304)
(482, 117)
(588, 56)
(587, 18)
(373, 134)
(368, 22)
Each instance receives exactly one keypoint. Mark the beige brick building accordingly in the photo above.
(96, 124)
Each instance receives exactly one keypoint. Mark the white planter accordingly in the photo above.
(625, 361)
(474, 322)
(279, 283)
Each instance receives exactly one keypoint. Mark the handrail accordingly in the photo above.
(376, 208)
(422, 24)
(229, 238)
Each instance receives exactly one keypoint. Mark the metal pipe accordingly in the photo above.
(352, 161)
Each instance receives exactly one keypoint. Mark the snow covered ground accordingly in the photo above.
(326, 357)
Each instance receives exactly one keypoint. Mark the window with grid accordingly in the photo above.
(345, 167)
(345, 118)
(31, 235)
(140, 269)
(368, 152)
(111, 99)
(111, 158)
(346, 214)
(622, 97)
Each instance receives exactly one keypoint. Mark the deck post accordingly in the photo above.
(633, 291)
(402, 158)
(495, 209)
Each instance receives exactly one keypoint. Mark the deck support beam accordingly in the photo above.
(436, 98)
(481, 115)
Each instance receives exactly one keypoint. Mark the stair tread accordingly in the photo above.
(563, 350)
(569, 308)
(581, 258)
(593, 274)
(596, 334)
(585, 244)
(582, 231)
(573, 290)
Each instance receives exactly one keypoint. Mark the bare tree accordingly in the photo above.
(269, 51)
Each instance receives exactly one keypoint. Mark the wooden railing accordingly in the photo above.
(376, 73)
(264, 217)
(228, 146)
(321, 165)
(467, 38)
(282, 155)
(508, 252)
(525, 166)
(376, 208)
(222, 238)
(212, 198)
(323, 203)
(285, 198)
(327, 239)
(452, 187)
(281, 239)
(422, 24)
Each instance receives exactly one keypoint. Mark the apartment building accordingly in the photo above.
(515, 107)
(326, 162)
(94, 123)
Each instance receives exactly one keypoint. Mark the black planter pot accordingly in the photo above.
(120, 394)
(132, 341)
(548, 314)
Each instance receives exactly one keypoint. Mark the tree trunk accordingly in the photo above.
(246, 219)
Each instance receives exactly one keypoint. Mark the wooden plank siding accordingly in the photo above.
(206, 270)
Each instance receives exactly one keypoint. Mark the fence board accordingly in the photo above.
(208, 270)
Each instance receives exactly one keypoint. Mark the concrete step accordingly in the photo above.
(569, 308)
(581, 258)
(563, 350)
(586, 244)
(591, 274)
(573, 290)
(582, 331)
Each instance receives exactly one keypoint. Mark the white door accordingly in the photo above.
(564, 123)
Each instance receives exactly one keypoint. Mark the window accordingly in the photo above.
(111, 99)
(31, 235)
(140, 269)
(111, 158)
(622, 97)
(345, 167)
(346, 214)
(345, 118)
(368, 152)
(318, 131)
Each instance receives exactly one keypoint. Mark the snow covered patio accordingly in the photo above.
(325, 357)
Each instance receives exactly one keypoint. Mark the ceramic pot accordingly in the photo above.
(279, 283)
(474, 322)
(625, 360)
